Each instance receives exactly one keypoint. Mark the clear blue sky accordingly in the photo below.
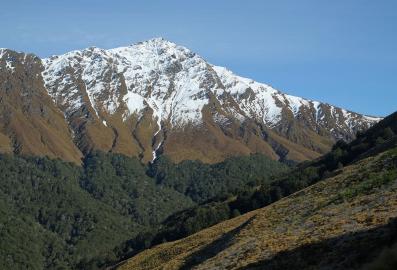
(343, 52)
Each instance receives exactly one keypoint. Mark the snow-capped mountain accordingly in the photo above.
(156, 97)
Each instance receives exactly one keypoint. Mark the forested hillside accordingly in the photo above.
(56, 215)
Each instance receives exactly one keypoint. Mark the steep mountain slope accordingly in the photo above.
(156, 97)
(30, 123)
(340, 223)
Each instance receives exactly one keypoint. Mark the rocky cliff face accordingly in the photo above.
(156, 97)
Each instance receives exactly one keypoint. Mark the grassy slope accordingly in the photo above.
(361, 198)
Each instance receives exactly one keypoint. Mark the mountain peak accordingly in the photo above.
(157, 40)
(174, 88)
(156, 47)
(153, 42)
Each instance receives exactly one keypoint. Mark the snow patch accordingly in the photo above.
(9, 66)
(372, 118)
(318, 112)
(134, 102)
(2, 52)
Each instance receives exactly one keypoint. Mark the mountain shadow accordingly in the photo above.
(213, 248)
(359, 250)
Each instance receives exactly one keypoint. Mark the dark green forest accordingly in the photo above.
(56, 215)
